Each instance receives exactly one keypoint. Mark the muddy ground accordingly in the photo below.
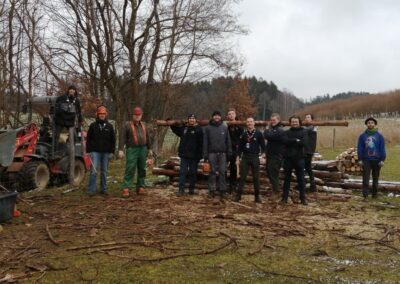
(64, 236)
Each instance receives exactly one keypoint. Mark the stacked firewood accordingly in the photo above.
(348, 162)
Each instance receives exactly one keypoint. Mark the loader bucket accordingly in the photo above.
(7, 147)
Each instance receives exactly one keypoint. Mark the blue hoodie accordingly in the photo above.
(371, 146)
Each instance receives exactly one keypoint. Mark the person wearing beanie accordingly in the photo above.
(235, 132)
(100, 144)
(67, 112)
(136, 140)
(190, 151)
(371, 155)
(295, 140)
(217, 149)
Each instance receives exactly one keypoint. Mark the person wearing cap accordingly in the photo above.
(67, 112)
(135, 137)
(235, 131)
(100, 144)
(371, 155)
(190, 151)
(251, 144)
(217, 149)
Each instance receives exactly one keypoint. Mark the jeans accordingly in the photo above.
(298, 166)
(218, 165)
(273, 169)
(250, 162)
(232, 172)
(99, 165)
(188, 167)
(370, 166)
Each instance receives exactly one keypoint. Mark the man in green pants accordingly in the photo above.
(135, 137)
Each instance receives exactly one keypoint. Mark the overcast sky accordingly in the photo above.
(315, 47)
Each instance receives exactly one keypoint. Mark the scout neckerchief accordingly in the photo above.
(135, 134)
(249, 137)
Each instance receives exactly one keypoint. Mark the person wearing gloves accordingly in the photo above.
(217, 149)
(371, 155)
(100, 145)
(135, 137)
(310, 148)
(67, 112)
(190, 151)
(295, 140)
(251, 143)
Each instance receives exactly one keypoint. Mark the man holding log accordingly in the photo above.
(135, 137)
(250, 145)
(295, 140)
(235, 132)
(217, 148)
(310, 148)
(371, 154)
(274, 134)
(190, 151)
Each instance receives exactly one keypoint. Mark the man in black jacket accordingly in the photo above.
(310, 148)
(250, 145)
(295, 140)
(217, 148)
(275, 147)
(100, 144)
(67, 110)
(235, 132)
(190, 151)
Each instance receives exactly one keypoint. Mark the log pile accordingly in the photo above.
(348, 162)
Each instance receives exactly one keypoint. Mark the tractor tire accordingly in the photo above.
(79, 173)
(34, 174)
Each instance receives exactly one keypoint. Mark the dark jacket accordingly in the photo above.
(251, 142)
(67, 108)
(371, 146)
(312, 139)
(275, 147)
(135, 134)
(295, 140)
(235, 132)
(216, 139)
(100, 137)
(191, 144)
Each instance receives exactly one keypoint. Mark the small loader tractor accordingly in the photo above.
(29, 156)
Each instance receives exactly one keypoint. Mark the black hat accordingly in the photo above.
(371, 118)
(191, 115)
(216, 112)
(72, 87)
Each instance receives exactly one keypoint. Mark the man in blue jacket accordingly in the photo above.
(190, 151)
(371, 154)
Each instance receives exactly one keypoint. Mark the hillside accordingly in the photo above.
(387, 104)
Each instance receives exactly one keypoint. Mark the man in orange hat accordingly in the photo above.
(135, 137)
(100, 145)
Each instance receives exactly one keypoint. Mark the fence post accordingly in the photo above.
(334, 138)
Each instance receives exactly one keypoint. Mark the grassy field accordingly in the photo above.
(66, 237)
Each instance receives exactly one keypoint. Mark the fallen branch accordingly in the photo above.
(114, 244)
(54, 241)
(260, 248)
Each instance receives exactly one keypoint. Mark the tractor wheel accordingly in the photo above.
(80, 172)
(34, 174)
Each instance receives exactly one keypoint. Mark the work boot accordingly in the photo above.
(210, 194)
(313, 186)
(140, 190)
(304, 202)
(257, 199)
(180, 193)
(238, 197)
(283, 201)
(125, 192)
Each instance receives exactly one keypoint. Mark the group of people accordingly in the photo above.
(220, 144)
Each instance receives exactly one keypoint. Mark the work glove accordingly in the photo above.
(360, 163)
(121, 154)
(381, 163)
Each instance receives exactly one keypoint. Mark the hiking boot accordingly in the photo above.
(192, 192)
(283, 201)
(210, 195)
(257, 199)
(140, 190)
(304, 202)
(125, 192)
(105, 193)
(180, 193)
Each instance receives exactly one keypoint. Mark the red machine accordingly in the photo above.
(28, 156)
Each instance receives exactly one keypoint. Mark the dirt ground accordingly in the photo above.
(64, 236)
